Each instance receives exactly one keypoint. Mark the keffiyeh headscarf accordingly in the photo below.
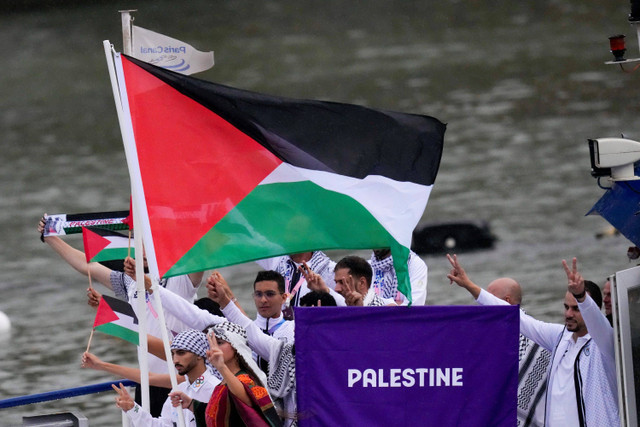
(237, 337)
(193, 341)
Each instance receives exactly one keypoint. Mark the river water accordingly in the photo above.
(522, 85)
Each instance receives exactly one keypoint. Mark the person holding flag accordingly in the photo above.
(123, 286)
(198, 380)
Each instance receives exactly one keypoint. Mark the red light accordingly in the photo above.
(617, 46)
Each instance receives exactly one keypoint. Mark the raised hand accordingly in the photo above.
(351, 296)
(575, 280)
(214, 354)
(218, 289)
(458, 276)
(93, 297)
(90, 361)
(124, 400)
(42, 223)
(130, 267)
(315, 282)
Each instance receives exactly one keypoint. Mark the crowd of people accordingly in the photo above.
(234, 370)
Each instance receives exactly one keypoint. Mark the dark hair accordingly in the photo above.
(210, 305)
(357, 266)
(271, 276)
(311, 299)
(594, 291)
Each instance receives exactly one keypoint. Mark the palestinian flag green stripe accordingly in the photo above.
(119, 331)
(109, 254)
(268, 222)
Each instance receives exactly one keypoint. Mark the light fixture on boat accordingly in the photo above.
(617, 46)
(614, 157)
(617, 43)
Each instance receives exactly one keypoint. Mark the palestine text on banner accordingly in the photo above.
(246, 176)
(105, 245)
(419, 366)
(170, 53)
(116, 317)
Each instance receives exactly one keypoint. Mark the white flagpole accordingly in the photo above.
(141, 303)
(127, 136)
(157, 305)
(127, 41)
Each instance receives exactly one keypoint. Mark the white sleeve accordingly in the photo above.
(600, 329)
(340, 302)
(269, 263)
(418, 275)
(543, 333)
(140, 417)
(192, 316)
(182, 286)
(259, 342)
(328, 275)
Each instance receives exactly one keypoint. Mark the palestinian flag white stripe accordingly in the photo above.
(381, 196)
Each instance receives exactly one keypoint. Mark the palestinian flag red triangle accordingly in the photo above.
(195, 143)
(225, 176)
(104, 314)
(105, 245)
(116, 317)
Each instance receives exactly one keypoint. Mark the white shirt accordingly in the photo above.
(181, 287)
(278, 327)
(279, 264)
(562, 405)
(200, 389)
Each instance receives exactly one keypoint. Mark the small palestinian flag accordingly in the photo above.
(116, 317)
(245, 176)
(105, 245)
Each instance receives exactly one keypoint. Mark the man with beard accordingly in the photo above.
(123, 286)
(582, 384)
(189, 352)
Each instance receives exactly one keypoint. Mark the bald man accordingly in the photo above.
(506, 289)
(533, 361)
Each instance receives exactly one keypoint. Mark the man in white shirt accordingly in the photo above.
(124, 287)
(295, 284)
(269, 296)
(352, 275)
(189, 352)
(582, 383)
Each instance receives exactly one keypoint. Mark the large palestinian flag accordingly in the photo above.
(227, 176)
(116, 317)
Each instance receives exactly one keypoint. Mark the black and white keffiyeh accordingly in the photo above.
(237, 336)
(384, 280)
(191, 340)
(532, 382)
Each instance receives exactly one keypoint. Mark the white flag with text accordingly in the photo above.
(169, 53)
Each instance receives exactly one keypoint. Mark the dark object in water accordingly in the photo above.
(454, 236)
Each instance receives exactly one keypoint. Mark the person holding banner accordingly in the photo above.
(582, 384)
(124, 287)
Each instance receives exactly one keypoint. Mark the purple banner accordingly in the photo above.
(401, 366)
